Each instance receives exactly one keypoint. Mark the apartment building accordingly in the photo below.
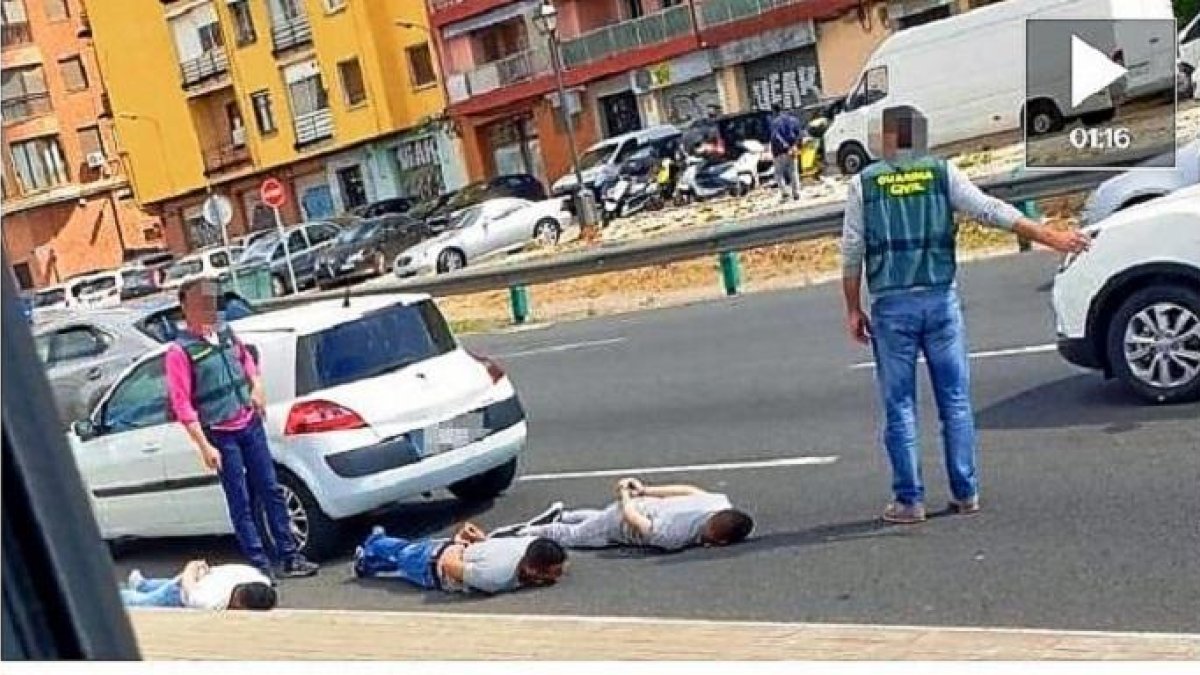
(67, 204)
(628, 64)
(332, 97)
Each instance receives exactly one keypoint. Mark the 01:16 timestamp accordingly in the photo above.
(1103, 138)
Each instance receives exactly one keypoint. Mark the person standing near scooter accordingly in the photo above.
(786, 133)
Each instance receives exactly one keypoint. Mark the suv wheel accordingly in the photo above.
(852, 158)
(1154, 343)
(486, 485)
(547, 232)
(317, 535)
(450, 260)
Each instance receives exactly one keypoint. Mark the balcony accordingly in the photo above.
(718, 12)
(208, 65)
(25, 106)
(439, 5)
(15, 34)
(627, 36)
(313, 127)
(223, 158)
(291, 33)
(512, 69)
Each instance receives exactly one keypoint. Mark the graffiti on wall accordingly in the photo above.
(792, 88)
(688, 107)
(420, 168)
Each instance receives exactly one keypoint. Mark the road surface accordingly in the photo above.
(1090, 498)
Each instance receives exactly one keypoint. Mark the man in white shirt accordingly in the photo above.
(667, 517)
(468, 561)
(200, 586)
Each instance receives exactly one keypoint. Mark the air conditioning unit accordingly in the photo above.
(96, 160)
(239, 136)
(640, 81)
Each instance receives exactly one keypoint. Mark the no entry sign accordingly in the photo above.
(272, 192)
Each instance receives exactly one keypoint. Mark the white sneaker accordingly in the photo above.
(135, 579)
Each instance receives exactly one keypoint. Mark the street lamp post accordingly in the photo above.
(546, 21)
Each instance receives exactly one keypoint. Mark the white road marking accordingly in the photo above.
(561, 348)
(1014, 351)
(687, 468)
(375, 615)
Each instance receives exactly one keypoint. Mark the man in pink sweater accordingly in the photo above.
(215, 392)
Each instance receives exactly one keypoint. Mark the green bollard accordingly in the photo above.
(518, 297)
(1031, 211)
(731, 272)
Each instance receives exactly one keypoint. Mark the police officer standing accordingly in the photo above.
(215, 392)
(899, 228)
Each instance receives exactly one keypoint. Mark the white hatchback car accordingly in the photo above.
(1131, 305)
(367, 405)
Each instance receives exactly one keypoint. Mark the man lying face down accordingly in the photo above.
(468, 561)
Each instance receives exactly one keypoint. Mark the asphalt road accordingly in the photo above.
(1091, 498)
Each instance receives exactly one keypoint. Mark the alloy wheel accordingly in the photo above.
(297, 516)
(1162, 345)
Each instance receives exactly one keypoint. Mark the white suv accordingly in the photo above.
(367, 405)
(1131, 305)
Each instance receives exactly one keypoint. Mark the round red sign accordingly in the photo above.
(272, 193)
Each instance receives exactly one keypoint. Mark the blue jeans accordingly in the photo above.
(249, 481)
(153, 593)
(929, 323)
(395, 558)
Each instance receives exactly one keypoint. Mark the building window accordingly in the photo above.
(332, 6)
(264, 116)
(73, 74)
(354, 190)
(90, 141)
(305, 89)
(57, 10)
(39, 163)
(14, 24)
(352, 82)
(24, 275)
(243, 22)
(24, 95)
(420, 65)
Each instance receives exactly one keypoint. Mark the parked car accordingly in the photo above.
(517, 185)
(243, 242)
(495, 226)
(157, 263)
(108, 288)
(367, 404)
(84, 350)
(1189, 53)
(1131, 305)
(966, 75)
(305, 243)
(368, 249)
(208, 262)
(384, 207)
(600, 163)
(51, 298)
(1140, 185)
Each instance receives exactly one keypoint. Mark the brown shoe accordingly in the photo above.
(965, 507)
(904, 514)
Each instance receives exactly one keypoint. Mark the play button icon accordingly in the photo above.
(1091, 71)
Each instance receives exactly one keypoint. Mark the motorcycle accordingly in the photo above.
(706, 176)
(635, 188)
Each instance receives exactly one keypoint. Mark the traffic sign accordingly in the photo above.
(273, 193)
(217, 210)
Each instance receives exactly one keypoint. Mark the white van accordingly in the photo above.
(966, 74)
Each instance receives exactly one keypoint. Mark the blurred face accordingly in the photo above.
(200, 306)
(541, 576)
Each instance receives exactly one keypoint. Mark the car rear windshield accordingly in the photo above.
(378, 343)
(47, 298)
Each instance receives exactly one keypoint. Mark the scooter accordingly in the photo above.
(703, 178)
(633, 190)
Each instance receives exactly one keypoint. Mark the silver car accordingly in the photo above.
(483, 230)
(85, 350)
(1143, 184)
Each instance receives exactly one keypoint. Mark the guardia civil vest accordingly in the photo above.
(220, 388)
(908, 226)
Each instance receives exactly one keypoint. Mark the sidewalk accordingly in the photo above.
(343, 635)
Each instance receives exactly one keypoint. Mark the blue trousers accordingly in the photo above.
(154, 593)
(414, 561)
(928, 323)
(250, 484)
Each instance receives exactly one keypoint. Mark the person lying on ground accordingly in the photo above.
(468, 561)
(200, 586)
(668, 517)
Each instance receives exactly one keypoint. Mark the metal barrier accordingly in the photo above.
(628, 35)
(749, 234)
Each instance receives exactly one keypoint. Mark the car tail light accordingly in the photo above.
(314, 417)
(494, 370)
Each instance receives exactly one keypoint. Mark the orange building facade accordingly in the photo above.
(67, 205)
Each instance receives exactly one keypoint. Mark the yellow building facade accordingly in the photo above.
(339, 99)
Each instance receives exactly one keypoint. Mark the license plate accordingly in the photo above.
(449, 435)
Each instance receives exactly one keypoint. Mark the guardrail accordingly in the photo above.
(719, 239)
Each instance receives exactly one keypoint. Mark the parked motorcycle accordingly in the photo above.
(706, 175)
(635, 188)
